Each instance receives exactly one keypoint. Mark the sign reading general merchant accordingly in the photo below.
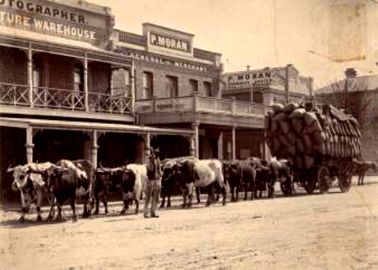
(52, 18)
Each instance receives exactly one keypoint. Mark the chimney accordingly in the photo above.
(247, 67)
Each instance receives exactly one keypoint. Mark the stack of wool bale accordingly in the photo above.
(303, 133)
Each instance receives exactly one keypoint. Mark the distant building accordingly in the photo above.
(266, 86)
(359, 97)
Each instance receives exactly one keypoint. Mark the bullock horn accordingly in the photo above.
(10, 169)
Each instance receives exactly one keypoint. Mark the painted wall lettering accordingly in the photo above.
(47, 27)
(41, 9)
(169, 42)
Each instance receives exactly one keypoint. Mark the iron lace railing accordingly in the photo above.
(14, 94)
(198, 104)
(63, 99)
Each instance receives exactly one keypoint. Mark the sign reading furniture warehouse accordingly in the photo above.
(54, 19)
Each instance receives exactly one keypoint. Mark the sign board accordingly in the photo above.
(168, 41)
(55, 19)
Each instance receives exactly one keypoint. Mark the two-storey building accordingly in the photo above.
(60, 93)
(178, 86)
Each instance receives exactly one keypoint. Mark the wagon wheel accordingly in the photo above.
(345, 175)
(324, 179)
(309, 183)
(287, 186)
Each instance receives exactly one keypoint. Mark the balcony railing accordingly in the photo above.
(44, 97)
(62, 99)
(199, 104)
(14, 94)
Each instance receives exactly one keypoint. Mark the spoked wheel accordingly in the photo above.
(309, 183)
(345, 175)
(287, 186)
(324, 179)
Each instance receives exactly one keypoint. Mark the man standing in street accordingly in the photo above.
(153, 185)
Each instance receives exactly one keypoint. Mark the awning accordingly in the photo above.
(89, 126)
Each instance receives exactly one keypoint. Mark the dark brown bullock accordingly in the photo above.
(240, 174)
(75, 179)
(127, 180)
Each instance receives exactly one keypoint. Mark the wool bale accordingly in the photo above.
(351, 129)
(298, 162)
(308, 161)
(299, 145)
(297, 124)
(277, 108)
(332, 129)
(290, 107)
(274, 126)
(297, 113)
(309, 118)
(291, 137)
(347, 129)
(308, 144)
(317, 138)
(280, 117)
(283, 140)
(291, 149)
(285, 126)
(315, 127)
(276, 144)
(326, 148)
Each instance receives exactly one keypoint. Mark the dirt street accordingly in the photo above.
(332, 231)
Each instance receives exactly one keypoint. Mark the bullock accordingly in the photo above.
(75, 179)
(107, 181)
(133, 184)
(128, 179)
(171, 176)
(31, 184)
(361, 167)
(202, 173)
(240, 173)
(279, 170)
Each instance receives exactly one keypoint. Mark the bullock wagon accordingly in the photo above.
(320, 142)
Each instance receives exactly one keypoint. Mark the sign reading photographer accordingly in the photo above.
(53, 19)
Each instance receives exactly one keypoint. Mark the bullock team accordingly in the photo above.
(66, 180)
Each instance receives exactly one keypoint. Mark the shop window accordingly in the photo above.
(120, 82)
(207, 89)
(193, 85)
(147, 85)
(78, 79)
(171, 86)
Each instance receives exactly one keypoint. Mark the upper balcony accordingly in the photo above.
(206, 110)
(44, 101)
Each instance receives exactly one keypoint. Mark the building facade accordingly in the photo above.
(178, 86)
(267, 86)
(60, 92)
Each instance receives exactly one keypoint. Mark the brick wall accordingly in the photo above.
(159, 79)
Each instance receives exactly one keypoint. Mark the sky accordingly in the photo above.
(310, 34)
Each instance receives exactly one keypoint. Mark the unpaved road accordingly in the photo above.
(332, 231)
